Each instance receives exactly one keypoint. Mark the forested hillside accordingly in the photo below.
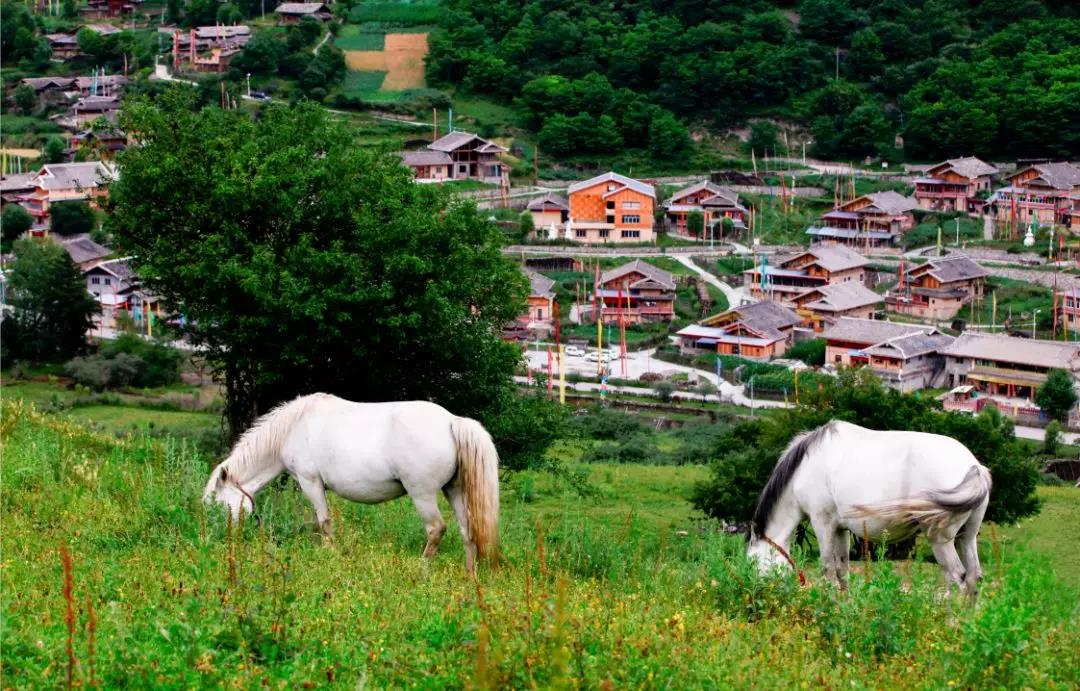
(992, 78)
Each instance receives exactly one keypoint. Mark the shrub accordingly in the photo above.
(98, 373)
(664, 390)
(810, 352)
(1052, 438)
(1057, 395)
(606, 423)
(160, 362)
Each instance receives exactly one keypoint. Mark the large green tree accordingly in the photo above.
(304, 263)
(1057, 396)
(51, 310)
(14, 221)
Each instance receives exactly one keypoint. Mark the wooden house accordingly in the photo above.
(823, 306)
(60, 182)
(102, 143)
(83, 251)
(1068, 303)
(610, 208)
(1039, 194)
(428, 166)
(64, 46)
(905, 356)
(713, 202)
(758, 331)
(872, 220)
(818, 266)
(541, 298)
(955, 185)
(459, 155)
(549, 214)
(1007, 367)
(293, 12)
(939, 288)
(103, 9)
(50, 91)
(100, 85)
(636, 292)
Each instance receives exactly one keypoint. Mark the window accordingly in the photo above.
(631, 205)
(631, 233)
(580, 233)
(108, 281)
(604, 233)
(95, 280)
(540, 313)
(634, 218)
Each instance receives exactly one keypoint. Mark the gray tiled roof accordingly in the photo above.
(1022, 351)
(1061, 176)
(300, 8)
(651, 272)
(457, 139)
(872, 331)
(82, 249)
(550, 198)
(892, 202)
(832, 257)
(767, 317)
(953, 268)
(65, 176)
(425, 158)
(840, 297)
(911, 345)
(539, 284)
(968, 166)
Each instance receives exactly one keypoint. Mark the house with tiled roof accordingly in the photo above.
(459, 155)
(758, 331)
(611, 208)
(872, 220)
(820, 265)
(1039, 194)
(83, 251)
(64, 47)
(714, 202)
(939, 288)
(60, 182)
(293, 12)
(1007, 368)
(905, 356)
(636, 292)
(955, 185)
(824, 305)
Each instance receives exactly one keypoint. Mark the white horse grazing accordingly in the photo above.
(848, 479)
(371, 453)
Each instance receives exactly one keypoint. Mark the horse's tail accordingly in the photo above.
(935, 509)
(478, 464)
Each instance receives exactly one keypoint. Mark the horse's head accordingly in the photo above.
(223, 490)
(765, 554)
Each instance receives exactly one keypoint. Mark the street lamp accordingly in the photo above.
(1033, 315)
(249, 85)
(957, 231)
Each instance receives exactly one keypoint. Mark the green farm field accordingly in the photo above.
(619, 587)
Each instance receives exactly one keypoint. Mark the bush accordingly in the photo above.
(664, 390)
(98, 373)
(1057, 395)
(810, 352)
(160, 362)
(71, 218)
(605, 423)
(634, 448)
(1052, 438)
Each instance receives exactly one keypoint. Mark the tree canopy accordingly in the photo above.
(304, 263)
(952, 77)
(1057, 395)
(51, 310)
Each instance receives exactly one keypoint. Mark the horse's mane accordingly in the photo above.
(262, 441)
(781, 476)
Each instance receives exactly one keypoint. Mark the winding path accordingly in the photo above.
(735, 296)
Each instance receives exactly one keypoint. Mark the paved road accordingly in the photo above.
(735, 296)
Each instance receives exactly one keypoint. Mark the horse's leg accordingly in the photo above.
(842, 551)
(969, 549)
(315, 491)
(825, 527)
(456, 498)
(944, 547)
(427, 505)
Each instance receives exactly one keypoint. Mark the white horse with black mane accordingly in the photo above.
(371, 453)
(849, 479)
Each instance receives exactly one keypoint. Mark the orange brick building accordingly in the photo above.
(611, 208)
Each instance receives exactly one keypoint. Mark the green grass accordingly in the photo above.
(360, 83)
(355, 37)
(1053, 533)
(619, 588)
(124, 419)
(926, 233)
(1015, 298)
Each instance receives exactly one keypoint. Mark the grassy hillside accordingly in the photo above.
(621, 588)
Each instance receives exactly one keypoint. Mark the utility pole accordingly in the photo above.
(837, 76)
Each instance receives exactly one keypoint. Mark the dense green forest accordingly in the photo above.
(990, 77)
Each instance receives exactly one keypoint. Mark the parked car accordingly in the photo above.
(597, 356)
(260, 96)
(574, 351)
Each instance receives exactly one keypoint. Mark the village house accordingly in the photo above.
(87, 110)
(872, 220)
(293, 12)
(714, 202)
(938, 289)
(115, 286)
(758, 331)
(1039, 194)
(549, 214)
(61, 182)
(100, 84)
(1005, 368)
(905, 357)
(1069, 309)
(635, 292)
(50, 91)
(459, 155)
(13, 186)
(83, 251)
(104, 143)
(103, 9)
(955, 185)
(207, 48)
(610, 208)
(820, 265)
(64, 46)
(825, 305)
